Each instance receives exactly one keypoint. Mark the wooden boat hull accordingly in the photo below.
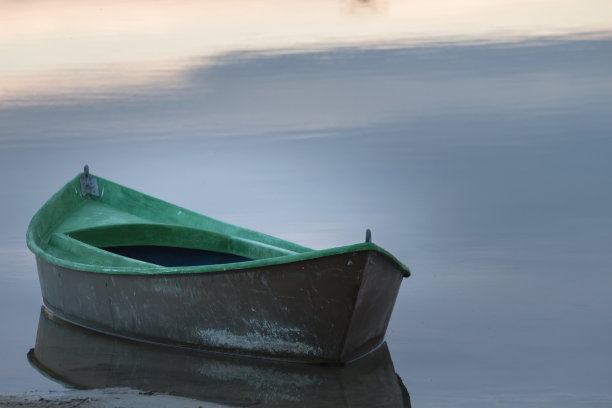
(329, 309)
(85, 359)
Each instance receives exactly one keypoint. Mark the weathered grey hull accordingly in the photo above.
(329, 309)
(84, 359)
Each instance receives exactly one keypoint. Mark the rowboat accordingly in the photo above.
(117, 261)
(84, 359)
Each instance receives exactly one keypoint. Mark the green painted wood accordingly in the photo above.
(70, 229)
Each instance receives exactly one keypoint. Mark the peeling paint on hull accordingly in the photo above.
(257, 342)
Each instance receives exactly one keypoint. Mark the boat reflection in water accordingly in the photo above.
(82, 358)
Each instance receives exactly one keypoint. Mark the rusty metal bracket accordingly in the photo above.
(89, 184)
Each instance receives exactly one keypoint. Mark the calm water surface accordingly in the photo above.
(474, 141)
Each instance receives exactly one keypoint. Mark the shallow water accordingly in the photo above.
(479, 156)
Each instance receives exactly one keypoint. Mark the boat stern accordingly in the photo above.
(375, 300)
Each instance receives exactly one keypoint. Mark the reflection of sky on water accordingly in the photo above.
(483, 166)
(310, 94)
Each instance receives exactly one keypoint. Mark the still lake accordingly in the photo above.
(482, 161)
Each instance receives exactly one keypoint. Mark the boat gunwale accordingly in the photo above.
(155, 270)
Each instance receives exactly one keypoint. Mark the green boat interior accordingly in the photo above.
(122, 229)
(173, 245)
(119, 230)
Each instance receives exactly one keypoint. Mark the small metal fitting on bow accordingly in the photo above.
(89, 184)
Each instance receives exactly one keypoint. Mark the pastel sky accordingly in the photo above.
(48, 47)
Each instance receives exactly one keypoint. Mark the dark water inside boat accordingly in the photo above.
(473, 139)
(175, 256)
